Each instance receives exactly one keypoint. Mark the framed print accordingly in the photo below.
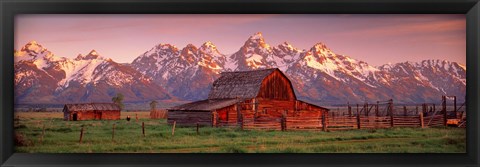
(187, 83)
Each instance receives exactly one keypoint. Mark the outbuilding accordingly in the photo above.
(265, 93)
(91, 111)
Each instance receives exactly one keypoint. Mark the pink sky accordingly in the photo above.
(376, 39)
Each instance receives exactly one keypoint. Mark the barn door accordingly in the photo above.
(74, 116)
(98, 115)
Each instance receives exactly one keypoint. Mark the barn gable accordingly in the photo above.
(246, 84)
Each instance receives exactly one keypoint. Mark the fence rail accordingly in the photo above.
(341, 122)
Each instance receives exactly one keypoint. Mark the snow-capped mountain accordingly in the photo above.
(333, 78)
(186, 73)
(42, 77)
(318, 74)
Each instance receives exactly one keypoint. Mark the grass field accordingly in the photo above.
(63, 137)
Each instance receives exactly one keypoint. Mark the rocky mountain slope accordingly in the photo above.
(318, 74)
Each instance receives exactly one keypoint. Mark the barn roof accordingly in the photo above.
(239, 84)
(92, 106)
(314, 105)
(206, 105)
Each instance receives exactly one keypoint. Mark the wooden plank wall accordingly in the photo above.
(158, 114)
(185, 118)
(276, 86)
(275, 105)
(93, 115)
(227, 117)
(110, 115)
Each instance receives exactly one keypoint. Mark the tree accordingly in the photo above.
(118, 99)
(153, 105)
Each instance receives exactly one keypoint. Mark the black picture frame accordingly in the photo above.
(10, 8)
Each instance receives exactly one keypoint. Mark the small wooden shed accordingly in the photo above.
(266, 93)
(91, 111)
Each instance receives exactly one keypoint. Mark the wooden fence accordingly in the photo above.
(301, 123)
(261, 124)
(341, 122)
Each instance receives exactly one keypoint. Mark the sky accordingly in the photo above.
(374, 38)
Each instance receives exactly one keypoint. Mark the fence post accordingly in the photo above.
(421, 120)
(173, 128)
(143, 129)
(349, 110)
(455, 106)
(81, 135)
(197, 128)
(358, 119)
(404, 110)
(136, 117)
(284, 123)
(390, 106)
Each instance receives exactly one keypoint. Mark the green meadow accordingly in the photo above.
(38, 132)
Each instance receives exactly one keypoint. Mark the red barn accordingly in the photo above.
(266, 93)
(91, 111)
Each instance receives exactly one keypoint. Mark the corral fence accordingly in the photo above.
(325, 123)
(376, 116)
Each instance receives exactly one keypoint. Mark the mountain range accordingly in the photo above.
(166, 72)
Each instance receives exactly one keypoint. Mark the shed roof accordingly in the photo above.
(92, 106)
(239, 84)
(206, 105)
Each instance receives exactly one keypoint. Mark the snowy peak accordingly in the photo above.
(209, 48)
(188, 53)
(256, 41)
(33, 47)
(162, 47)
(36, 53)
(159, 52)
(321, 49)
(209, 45)
(256, 36)
(93, 55)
